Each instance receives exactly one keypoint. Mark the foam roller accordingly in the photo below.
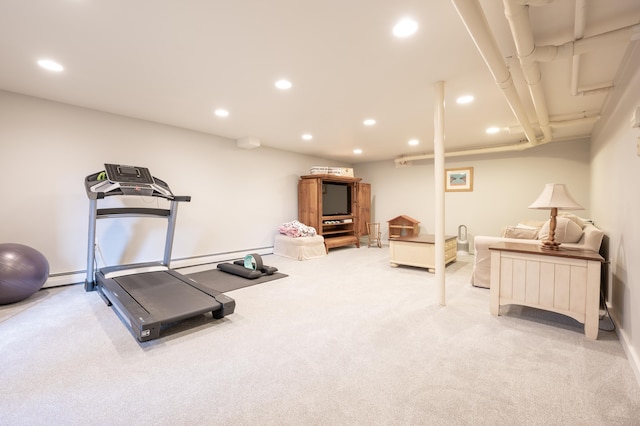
(269, 270)
(240, 271)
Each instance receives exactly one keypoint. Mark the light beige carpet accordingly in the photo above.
(343, 340)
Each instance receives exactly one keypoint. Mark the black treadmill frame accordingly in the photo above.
(146, 323)
(185, 297)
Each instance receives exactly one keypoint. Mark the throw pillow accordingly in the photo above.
(532, 223)
(567, 231)
(574, 218)
(520, 232)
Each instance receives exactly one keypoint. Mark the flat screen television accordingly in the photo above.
(336, 199)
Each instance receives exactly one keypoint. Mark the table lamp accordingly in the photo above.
(555, 196)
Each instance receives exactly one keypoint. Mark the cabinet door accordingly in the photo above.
(310, 203)
(364, 207)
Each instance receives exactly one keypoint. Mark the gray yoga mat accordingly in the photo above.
(224, 282)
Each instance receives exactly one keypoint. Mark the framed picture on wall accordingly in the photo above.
(458, 180)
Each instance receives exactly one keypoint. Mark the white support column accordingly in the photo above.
(438, 170)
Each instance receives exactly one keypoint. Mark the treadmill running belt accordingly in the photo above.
(166, 296)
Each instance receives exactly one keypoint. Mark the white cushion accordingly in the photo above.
(574, 218)
(532, 223)
(523, 226)
(567, 231)
(521, 232)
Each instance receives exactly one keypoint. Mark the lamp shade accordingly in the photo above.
(555, 195)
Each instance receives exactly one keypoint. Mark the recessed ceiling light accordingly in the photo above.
(50, 65)
(414, 142)
(307, 136)
(492, 130)
(369, 122)
(357, 151)
(221, 112)
(283, 84)
(405, 28)
(466, 99)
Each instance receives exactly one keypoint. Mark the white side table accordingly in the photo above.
(566, 281)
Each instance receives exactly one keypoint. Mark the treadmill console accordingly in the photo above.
(120, 179)
(128, 174)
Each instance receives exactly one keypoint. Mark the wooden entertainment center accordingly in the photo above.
(337, 229)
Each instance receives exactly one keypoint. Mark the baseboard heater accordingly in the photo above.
(78, 277)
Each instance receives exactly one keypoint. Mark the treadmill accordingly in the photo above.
(149, 297)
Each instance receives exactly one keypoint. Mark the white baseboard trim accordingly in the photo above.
(198, 262)
(65, 279)
(208, 260)
(632, 355)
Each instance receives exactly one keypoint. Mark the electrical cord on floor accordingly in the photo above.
(608, 315)
(100, 255)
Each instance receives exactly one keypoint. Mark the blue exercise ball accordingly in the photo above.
(23, 271)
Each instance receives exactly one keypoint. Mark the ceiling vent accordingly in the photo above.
(248, 143)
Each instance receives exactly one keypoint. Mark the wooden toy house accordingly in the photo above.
(403, 226)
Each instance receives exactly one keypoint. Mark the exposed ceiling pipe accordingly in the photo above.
(576, 48)
(520, 146)
(535, 2)
(574, 122)
(579, 46)
(606, 40)
(595, 89)
(578, 33)
(530, 55)
(474, 20)
(555, 124)
(476, 23)
(518, 17)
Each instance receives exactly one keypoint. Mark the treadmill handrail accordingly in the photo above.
(132, 212)
(93, 185)
(182, 198)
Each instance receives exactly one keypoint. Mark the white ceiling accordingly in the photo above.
(174, 62)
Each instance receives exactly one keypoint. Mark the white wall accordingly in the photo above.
(504, 185)
(616, 203)
(239, 197)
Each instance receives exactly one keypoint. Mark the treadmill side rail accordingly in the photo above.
(227, 304)
(137, 319)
